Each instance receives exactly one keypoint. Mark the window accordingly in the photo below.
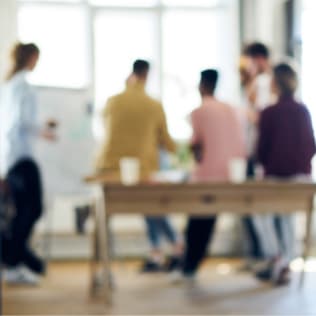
(48, 1)
(194, 40)
(120, 38)
(192, 3)
(188, 48)
(60, 32)
(93, 43)
(124, 3)
(308, 55)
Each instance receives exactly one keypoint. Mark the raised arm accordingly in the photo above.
(164, 138)
(28, 118)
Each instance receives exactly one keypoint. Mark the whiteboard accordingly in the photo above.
(66, 162)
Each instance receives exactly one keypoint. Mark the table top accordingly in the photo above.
(112, 181)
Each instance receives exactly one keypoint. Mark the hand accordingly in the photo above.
(51, 124)
(48, 135)
(253, 116)
(197, 150)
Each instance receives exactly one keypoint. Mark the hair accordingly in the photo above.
(285, 78)
(209, 78)
(257, 49)
(21, 55)
(141, 67)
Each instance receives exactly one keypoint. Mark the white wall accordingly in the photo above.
(8, 29)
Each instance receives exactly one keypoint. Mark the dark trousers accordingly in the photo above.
(26, 188)
(200, 231)
(254, 246)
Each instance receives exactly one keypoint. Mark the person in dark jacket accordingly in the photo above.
(286, 146)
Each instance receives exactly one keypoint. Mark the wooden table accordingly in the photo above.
(276, 197)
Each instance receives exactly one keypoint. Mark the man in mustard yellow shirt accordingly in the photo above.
(135, 126)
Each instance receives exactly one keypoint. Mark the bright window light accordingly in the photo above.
(193, 41)
(192, 3)
(122, 37)
(60, 32)
(308, 56)
(124, 3)
(50, 1)
(178, 42)
(308, 61)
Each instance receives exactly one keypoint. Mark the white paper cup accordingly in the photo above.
(129, 170)
(237, 170)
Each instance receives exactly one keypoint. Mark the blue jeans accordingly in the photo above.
(157, 227)
(255, 248)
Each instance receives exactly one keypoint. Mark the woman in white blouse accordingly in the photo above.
(18, 132)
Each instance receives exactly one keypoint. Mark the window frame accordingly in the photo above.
(91, 12)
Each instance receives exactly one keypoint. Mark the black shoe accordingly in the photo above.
(284, 277)
(173, 264)
(33, 262)
(150, 266)
(265, 274)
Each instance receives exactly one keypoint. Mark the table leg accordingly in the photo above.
(95, 255)
(101, 281)
(104, 251)
(308, 238)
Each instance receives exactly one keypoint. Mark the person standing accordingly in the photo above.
(217, 138)
(247, 77)
(135, 126)
(286, 146)
(18, 132)
(258, 96)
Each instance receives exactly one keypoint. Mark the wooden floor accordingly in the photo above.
(220, 291)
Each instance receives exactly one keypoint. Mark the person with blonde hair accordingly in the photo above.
(18, 131)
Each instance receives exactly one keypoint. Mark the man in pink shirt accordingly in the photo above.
(218, 134)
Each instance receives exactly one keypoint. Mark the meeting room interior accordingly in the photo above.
(157, 157)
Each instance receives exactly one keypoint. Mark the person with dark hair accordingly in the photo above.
(136, 127)
(18, 132)
(286, 146)
(217, 138)
(253, 251)
(257, 50)
(141, 68)
(258, 95)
